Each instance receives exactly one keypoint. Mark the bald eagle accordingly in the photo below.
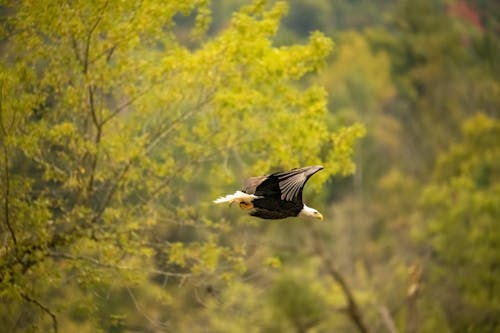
(275, 196)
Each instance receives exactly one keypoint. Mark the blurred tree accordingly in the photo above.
(440, 79)
(360, 86)
(298, 303)
(461, 212)
(332, 17)
(440, 64)
(439, 74)
(115, 126)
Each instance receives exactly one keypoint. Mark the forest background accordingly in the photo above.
(121, 121)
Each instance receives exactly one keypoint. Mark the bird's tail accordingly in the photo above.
(238, 197)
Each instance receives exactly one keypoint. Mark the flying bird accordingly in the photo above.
(275, 196)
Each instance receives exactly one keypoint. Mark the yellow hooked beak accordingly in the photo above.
(319, 216)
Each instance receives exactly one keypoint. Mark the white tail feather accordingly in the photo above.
(238, 196)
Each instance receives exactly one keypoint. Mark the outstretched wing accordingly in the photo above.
(291, 183)
(250, 185)
(286, 186)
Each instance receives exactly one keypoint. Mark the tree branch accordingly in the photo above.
(387, 319)
(160, 135)
(98, 125)
(156, 323)
(6, 207)
(44, 308)
(2, 127)
(181, 118)
(89, 37)
(353, 310)
(122, 107)
(98, 263)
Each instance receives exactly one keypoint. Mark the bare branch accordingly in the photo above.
(46, 164)
(98, 125)
(6, 206)
(122, 107)
(353, 309)
(98, 263)
(2, 127)
(93, 111)
(160, 135)
(387, 319)
(44, 308)
(168, 180)
(109, 51)
(89, 37)
(181, 118)
(156, 323)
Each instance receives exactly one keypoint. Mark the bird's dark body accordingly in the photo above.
(279, 194)
(272, 208)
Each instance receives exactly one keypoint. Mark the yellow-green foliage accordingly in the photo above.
(462, 204)
(121, 121)
(116, 128)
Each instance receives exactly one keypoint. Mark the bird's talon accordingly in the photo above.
(246, 205)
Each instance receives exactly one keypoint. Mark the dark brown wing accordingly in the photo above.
(291, 183)
(279, 194)
(286, 186)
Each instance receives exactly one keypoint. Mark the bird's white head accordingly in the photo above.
(308, 213)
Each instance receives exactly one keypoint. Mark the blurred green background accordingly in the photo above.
(121, 121)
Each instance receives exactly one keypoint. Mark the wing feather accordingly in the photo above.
(291, 183)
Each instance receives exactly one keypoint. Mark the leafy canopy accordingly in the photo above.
(117, 125)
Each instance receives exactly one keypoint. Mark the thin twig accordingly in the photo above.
(162, 134)
(92, 108)
(7, 198)
(89, 37)
(44, 308)
(98, 125)
(122, 107)
(98, 263)
(156, 323)
(387, 319)
(167, 181)
(2, 127)
(181, 118)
